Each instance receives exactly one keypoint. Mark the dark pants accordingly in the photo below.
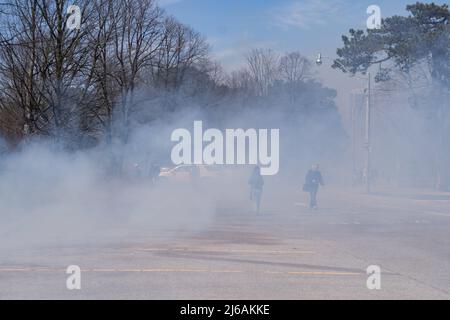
(313, 197)
(255, 196)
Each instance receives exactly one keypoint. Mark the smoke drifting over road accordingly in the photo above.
(88, 130)
(52, 196)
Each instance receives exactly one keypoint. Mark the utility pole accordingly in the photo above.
(353, 120)
(367, 143)
(368, 136)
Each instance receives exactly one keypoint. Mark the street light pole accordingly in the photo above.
(368, 124)
(368, 134)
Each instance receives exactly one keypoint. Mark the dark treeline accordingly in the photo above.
(130, 64)
(73, 84)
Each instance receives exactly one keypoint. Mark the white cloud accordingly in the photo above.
(306, 14)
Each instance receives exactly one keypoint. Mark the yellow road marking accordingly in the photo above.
(163, 270)
(224, 250)
(31, 270)
(324, 273)
(317, 273)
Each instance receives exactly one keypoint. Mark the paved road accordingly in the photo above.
(289, 252)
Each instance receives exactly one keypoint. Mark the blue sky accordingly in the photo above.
(233, 27)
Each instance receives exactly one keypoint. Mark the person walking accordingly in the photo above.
(256, 183)
(312, 181)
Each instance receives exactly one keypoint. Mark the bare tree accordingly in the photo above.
(294, 67)
(263, 66)
(18, 62)
(181, 48)
(135, 42)
(42, 64)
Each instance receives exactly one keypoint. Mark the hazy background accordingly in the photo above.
(84, 113)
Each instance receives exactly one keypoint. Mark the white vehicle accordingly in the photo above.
(189, 173)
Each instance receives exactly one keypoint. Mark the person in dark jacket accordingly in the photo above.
(256, 183)
(312, 181)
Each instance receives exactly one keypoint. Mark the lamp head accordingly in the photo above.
(319, 59)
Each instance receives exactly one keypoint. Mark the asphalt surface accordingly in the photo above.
(288, 252)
